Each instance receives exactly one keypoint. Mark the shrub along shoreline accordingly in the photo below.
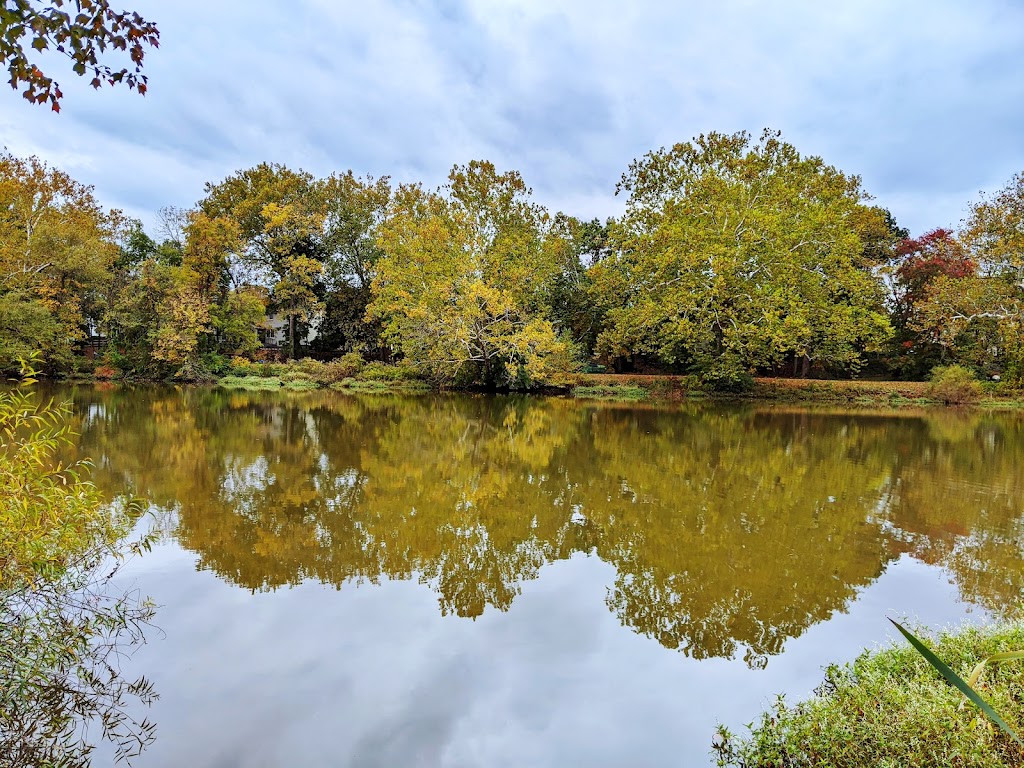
(352, 374)
(890, 708)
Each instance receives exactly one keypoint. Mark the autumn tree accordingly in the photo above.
(922, 260)
(238, 320)
(175, 304)
(84, 31)
(735, 254)
(917, 263)
(57, 247)
(995, 230)
(880, 235)
(200, 285)
(978, 319)
(280, 218)
(461, 286)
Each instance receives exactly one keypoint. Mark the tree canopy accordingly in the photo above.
(461, 285)
(735, 254)
(57, 250)
(974, 310)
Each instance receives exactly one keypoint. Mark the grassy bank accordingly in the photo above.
(890, 708)
(345, 375)
(351, 373)
(848, 392)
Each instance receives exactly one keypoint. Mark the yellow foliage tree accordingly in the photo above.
(57, 246)
(461, 285)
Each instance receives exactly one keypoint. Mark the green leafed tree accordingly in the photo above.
(736, 254)
(578, 245)
(462, 286)
(280, 216)
(354, 209)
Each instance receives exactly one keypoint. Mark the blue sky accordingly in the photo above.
(924, 100)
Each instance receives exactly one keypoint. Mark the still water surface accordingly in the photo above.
(500, 581)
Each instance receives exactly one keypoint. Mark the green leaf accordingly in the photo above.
(958, 682)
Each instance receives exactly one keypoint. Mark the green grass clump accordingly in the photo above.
(891, 708)
(301, 385)
(251, 382)
(610, 392)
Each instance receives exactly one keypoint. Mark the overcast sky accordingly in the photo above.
(924, 100)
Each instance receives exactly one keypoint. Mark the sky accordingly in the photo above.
(922, 99)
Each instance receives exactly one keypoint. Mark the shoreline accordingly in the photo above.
(622, 388)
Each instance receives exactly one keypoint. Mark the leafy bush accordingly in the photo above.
(891, 708)
(242, 366)
(266, 355)
(84, 366)
(725, 377)
(345, 367)
(383, 372)
(194, 372)
(216, 363)
(954, 385)
(310, 366)
(105, 372)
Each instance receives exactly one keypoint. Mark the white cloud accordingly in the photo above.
(923, 99)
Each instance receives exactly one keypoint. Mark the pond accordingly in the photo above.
(509, 581)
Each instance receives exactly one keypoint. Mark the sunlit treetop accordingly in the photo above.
(82, 30)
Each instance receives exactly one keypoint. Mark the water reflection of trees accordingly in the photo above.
(731, 530)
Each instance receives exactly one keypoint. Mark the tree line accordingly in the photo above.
(735, 255)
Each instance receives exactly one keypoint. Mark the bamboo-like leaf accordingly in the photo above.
(1007, 656)
(957, 682)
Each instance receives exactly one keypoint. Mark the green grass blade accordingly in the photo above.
(958, 682)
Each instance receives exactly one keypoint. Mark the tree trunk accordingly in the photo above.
(291, 333)
(805, 368)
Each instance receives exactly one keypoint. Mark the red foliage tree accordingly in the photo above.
(923, 259)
